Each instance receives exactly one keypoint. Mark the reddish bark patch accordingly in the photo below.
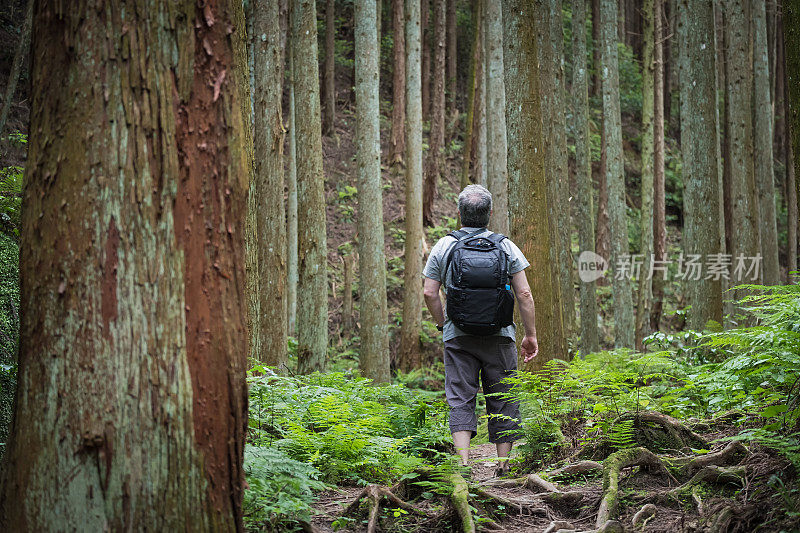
(111, 262)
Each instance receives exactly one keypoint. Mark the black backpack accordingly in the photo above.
(479, 297)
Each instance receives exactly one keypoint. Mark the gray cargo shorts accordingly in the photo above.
(493, 358)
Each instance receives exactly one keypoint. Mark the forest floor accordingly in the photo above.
(724, 490)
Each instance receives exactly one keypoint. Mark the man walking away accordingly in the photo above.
(478, 269)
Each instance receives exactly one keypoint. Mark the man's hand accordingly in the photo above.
(530, 347)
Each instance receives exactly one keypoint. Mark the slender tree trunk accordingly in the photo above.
(603, 238)
(347, 294)
(398, 140)
(526, 174)
(291, 215)
(669, 31)
(727, 206)
(425, 15)
(480, 139)
(595, 47)
(133, 338)
(452, 56)
(329, 93)
(615, 178)
(644, 299)
(472, 86)
(312, 285)
(412, 298)
(659, 193)
(745, 242)
(622, 35)
(701, 228)
(16, 66)
(268, 338)
(554, 121)
(791, 43)
(583, 174)
(434, 163)
(374, 357)
(763, 149)
(496, 145)
(791, 191)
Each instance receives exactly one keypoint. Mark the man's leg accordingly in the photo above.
(499, 362)
(461, 370)
(503, 451)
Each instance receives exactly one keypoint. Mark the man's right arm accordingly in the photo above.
(433, 301)
(527, 309)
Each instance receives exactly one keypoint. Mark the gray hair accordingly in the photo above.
(474, 206)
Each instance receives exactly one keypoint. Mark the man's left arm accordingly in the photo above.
(433, 301)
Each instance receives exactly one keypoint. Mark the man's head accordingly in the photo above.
(475, 206)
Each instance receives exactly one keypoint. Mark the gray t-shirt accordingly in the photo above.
(434, 269)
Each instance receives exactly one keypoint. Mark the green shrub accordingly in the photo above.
(9, 330)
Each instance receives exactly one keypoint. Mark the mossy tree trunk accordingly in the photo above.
(412, 298)
(701, 227)
(131, 408)
(452, 64)
(398, 139)
(745, 240)
(425, 17)
(434, 163)
(791, 43)
(291, 209)
(583, 173)
(496, 145)
(329, 82)
(268, 305)
(374, 355)
(615, 177)
(763, 149)
(312, 291)
(472, 87)
(527, 187)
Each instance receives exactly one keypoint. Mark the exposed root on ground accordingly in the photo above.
(677, 436)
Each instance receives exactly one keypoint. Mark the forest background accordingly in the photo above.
(694, 157)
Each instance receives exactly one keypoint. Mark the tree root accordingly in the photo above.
(548, 492)
(680, 436)
(644, 515)
(374, 495)
(714, 474)
(581, 467)
(460, 500)
(611, 471)
(690, 465)
(611, 526)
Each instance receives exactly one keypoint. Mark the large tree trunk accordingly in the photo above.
(268, 304)
(496, 145)
(762, 125)
(291, 211)
(745, 241)
(479, 171)
(701, 227)
(452, 55)
(595, 47)
(644, 299)
(551, 58)
(374, 355)
(412, 298)
(16, 66)
(583, 174)
(131, 407)
(472, 86)
(659, 193)
(615, 178)
(435, 160)
(312, 290)
(425, 16)
(791, 43)
(329, 92)
(526, 174)
(398, 140)
(791, 191)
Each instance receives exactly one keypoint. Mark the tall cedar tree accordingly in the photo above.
(745, 243)
(791, 43)
(412, 298)
(398, 139)
(312, 285)
(615, 177)
(472, 86)
(452, 64)
(644, 296)
(291, 209)
(763, 149)
(791, 177)
(267, 257)
(425, 17)
(659, 192)
(329, 92)
(701, 225)
(133, 339)
(526, 174)
(583, 174)
(374, 357)
(434, 163)
(551, 59)
(496, 145)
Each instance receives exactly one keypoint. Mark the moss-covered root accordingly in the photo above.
(611, 470)
(548, 492)
(679, 436)
(581, 467)
(728, 455)
(460, 500)
(644, 515)
(374, 495)
(733, 475)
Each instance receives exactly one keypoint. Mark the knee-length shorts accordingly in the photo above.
(468, 360)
